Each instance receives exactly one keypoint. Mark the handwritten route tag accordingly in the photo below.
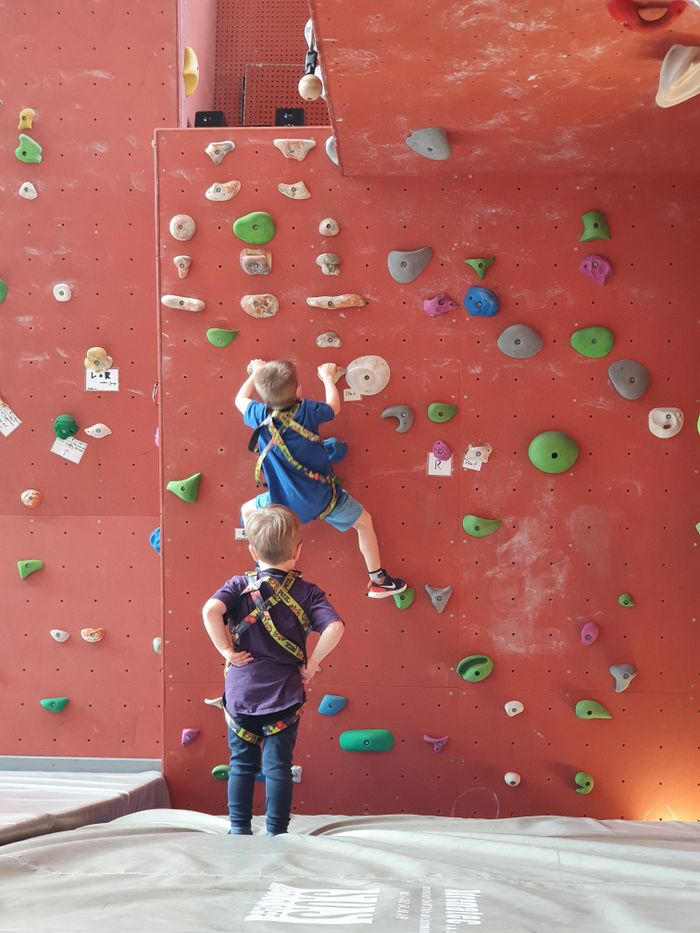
(8, 420)
(350, 395)
(439, 467)
(102, 382)
(70, 449)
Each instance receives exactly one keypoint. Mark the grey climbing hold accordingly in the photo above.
(431, 143)
(439, 596)
(404, 415)
(630, 379)
(520, 342)
(332, 150)
(623, 675)
(405, 266)
(329, 339)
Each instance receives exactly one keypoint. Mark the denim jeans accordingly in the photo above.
(276, 758)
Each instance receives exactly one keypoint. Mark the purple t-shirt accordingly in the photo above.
(272, 681)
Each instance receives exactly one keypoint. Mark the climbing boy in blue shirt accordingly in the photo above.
(296, 466)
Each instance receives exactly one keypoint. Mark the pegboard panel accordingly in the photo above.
(100, 76)
(268, 87)
(620, 521)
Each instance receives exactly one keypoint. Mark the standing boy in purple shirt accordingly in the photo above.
(259, 623)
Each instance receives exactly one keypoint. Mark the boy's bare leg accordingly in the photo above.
(367, 539)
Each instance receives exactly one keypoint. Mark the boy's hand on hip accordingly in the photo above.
(327, 371)
(238, 658)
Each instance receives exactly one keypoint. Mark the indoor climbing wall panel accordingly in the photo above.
(619, 520)
(87, 235)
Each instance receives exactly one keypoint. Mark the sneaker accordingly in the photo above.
(387, 586)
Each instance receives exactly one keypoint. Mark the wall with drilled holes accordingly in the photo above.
(620, 520)
(98, 90)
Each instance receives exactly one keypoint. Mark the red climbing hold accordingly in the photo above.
(631, 13)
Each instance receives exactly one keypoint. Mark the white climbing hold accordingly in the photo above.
(183, 303)
(513, 708)
(59, 635)
(98, 430)
(329, 339)
(218, 151)
(336, 302)
(62, 292)
(27, 191)
(665, 422)
(182, 264)
(217, 701)
(431, 142)
(512, 778)
(182, 227)
(679, 79)
(296, 191)
(157, 642)
(368, 375)
(329, 263)
(329, 226)
(297, 149)
(332, 150)
(222, 190)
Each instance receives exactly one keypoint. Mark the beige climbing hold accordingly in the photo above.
(183, 303)
(222, 190)
(368, 375)
(27, 191)
(98, 430)
(31, 498)
(296, 191)
(62, 292)
(329, 339)
(665, 422)
(182, 264)
(679, 79)
(329, 226)
(97, 360)
(260, 306)
(182, 227)
(310, 87)
(294, 148)
(335, 302)
(93, 635)
(256, 261)
(26, 118)
(329, 263)
(218, 151)
(190, 71)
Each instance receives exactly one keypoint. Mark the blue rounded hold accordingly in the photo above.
(155, 540)
(481, 302)
(330, 705)
(335, 448)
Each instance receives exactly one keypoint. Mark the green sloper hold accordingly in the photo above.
(585, 782)
(257, 228)
(3, 291)
(367, 740)
(220, 772)
(591, 709)
(65, 426)
(624, 599)
(185, 489)
(220, 337)
(480, 527)
(595, 342)
(28, 567)
(475, 668)
(595, 227)
(54, 704)
(28, 150)
(553, 452)
(405, 599)
(441, 412)
(480, 266)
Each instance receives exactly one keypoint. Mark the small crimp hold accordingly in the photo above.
(331, 704)
(62, 292)
(188, 736)
(216, 701)
(480, 266)
(480, 527)
(589, 633)
(332, 150)
(97, 360)
(405, 266)
(481, 302)
(296, 191)
(329, 339)
(297, 149)
(336, 302)
(28, 150)
(27, 191)
(182, 264)
(98, 430)
(92, 635)
(367, 740)
(219, 337)
(626, 600)
(59, 635)
(585, 782)
(260, 306)
(440, 304)
(475, 668)
(513, 708)
(26, 118)
(439, 596)
(182, 227)
(597, 268)
(441, 412)
(405, 599)
(256, 261)
(404, 415)
(623, 675)
(591, 709)
(154, 540)
(222, 190)
(511, 778)
(31, 498)
(329, 263)
(157, 646)
(438, 744)
(441, 451)
(186, 489)
(183, 303)
(329, 226)
(54, 704)
(218, 151)
(27, 567)
(595, 227)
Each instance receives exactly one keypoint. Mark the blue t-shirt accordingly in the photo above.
(287, 485)
(272, 681)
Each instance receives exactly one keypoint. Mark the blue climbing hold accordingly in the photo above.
(481, 302)
(155, 540)
(331, 704)
(335, 448)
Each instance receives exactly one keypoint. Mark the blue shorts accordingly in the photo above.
(346, 512)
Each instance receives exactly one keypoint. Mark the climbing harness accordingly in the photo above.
(286, 417)
(271, 728)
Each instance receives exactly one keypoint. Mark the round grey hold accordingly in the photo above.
(431, 143)
(629, 378)
(520, 342)
(405, 266)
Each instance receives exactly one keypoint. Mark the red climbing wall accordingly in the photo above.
(100, 75)
(621, 520)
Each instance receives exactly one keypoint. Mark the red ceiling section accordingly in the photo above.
(540, 87)
(569, 544)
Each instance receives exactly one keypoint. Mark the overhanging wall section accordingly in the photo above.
(569, 544)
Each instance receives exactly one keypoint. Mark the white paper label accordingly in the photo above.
(240, 535)
(70, 449)
(476, 456)
(439, 467)
(350, 395)
(102, 382)
(8, 420)
(470, 464)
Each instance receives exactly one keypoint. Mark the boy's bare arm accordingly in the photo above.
(327, 641)
(328, 373)
(243, 396)
(213, 616)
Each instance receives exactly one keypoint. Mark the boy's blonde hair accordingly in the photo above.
(277, 383)
(274, 531)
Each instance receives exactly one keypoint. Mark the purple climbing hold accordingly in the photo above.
(189, 736)
(597, 268)
(438, 744)
(441, 451)
(440, 304)
(589, 633)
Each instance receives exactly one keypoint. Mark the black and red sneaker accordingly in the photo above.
(386, 586)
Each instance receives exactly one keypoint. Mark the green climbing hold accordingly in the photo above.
(257, 228)
(220, 337)
(441, 412)
(480, 527)
(553, 452)
(185, 489)
(405, 599)
(3, 291)
(220, 772)
(595, 227)
(475, 668)
(585, 782)
(591, 709)
(367, 740)
(65, 426)
(595, 342)
(480, 266)
(624, 599)
(28, 150)
(28, 567)
(54, 704)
